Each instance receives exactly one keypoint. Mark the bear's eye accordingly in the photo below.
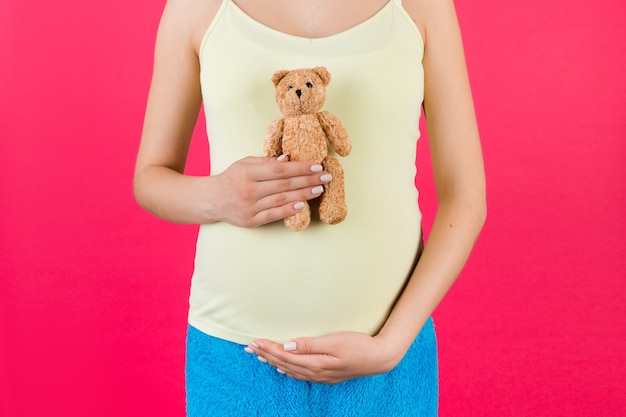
(289, 88)
(309, 85)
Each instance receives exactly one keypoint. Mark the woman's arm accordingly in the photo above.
(459, 177)
(251, 192)
(171, 114)
(460, 183)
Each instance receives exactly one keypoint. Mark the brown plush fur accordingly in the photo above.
(304, 134)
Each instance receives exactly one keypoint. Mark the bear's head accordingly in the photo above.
(301, 91)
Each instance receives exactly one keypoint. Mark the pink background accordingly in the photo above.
(93, 291)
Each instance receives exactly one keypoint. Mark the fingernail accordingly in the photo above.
(326, 177)
(262, 359)
(317, 168)
(290, 346)
(298, 206)
(282, 157)
(280, 371)
(248, 350)
(318, 190)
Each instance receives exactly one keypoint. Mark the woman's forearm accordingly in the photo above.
(456, 227)
(251, 192)
(173, 196)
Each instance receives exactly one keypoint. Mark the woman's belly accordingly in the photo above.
(272, 283)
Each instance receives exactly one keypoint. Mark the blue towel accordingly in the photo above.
(223, 380)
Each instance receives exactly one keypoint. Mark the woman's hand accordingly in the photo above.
(330, 359)
(255, 190)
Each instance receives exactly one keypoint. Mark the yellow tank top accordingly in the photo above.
(273, 283)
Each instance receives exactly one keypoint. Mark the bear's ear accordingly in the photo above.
(323, 73)
(279, 75)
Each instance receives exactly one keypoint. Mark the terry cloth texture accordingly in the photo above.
(223, 380)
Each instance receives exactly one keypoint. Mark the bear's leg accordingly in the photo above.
(300, 220)
(333, 207)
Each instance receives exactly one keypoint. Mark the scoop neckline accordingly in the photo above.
(309, 39)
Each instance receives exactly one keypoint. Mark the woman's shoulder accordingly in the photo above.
(428, 13)
(190, 18)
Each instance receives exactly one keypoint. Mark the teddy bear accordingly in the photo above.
(304, 133)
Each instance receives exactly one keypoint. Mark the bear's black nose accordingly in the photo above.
(298, 93)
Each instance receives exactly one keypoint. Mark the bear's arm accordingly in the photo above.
(335, 132)
(273, 139)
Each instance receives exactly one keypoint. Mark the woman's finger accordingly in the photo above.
(268, 169)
